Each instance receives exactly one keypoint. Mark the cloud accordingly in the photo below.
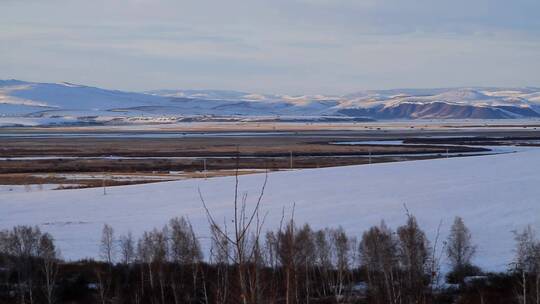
(290, 46)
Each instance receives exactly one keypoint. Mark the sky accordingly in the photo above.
(273, 46)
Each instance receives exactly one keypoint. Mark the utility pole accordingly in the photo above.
(204, 165)
(104, 187)
(291, 160)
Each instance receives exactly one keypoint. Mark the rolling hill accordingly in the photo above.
(65, 103)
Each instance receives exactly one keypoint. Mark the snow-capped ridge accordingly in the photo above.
(78, 102)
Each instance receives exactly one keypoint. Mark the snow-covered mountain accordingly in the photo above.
(49, 103)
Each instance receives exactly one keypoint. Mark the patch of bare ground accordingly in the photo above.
(100, 179)
(72, 161)
(205, 147)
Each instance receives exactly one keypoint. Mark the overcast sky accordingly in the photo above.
(273, 46)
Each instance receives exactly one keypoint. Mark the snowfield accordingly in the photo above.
(494, 194)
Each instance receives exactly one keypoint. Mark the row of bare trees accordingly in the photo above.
(291, 264)
(162, 266)
(402, 267)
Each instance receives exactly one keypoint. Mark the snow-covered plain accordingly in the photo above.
(494, 194)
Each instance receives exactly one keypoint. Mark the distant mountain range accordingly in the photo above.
(29, 103)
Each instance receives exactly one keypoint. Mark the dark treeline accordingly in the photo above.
(293, 264)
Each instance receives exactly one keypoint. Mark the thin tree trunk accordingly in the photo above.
(537, 283)
(524, 286)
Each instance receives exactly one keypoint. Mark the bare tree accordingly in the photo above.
(341, 247)
(379, 257)
(144, 256)
(220, 253)
(245, 223)
(460, 249)
(414, 259)
(185, 251)
(49, 255)
(127, 248)
(286, 252)
(323, 260)
(23, 244)
(107, 252)
(107, 247)
(159, 253)
(152, 254)
(185, 248)
(305, 259)
(526, 262)
(271, 260)
(35, 259)
(435, 260)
